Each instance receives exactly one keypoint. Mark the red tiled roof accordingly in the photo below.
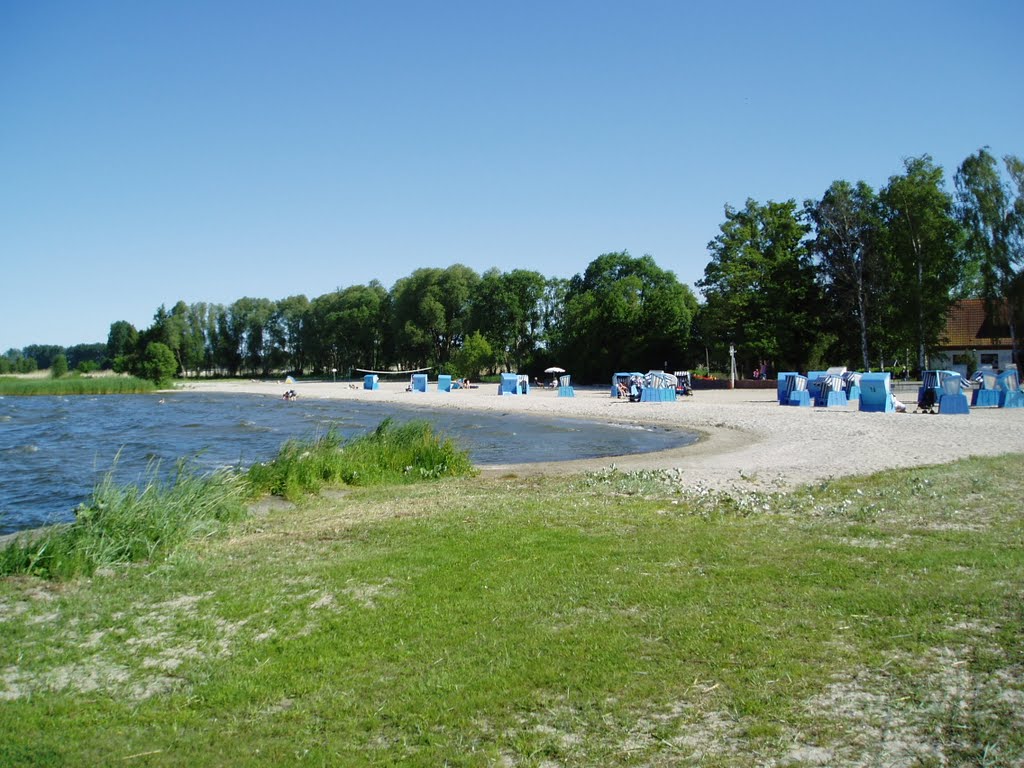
(969, 327)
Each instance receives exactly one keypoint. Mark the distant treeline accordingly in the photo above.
(860, 277)
(80, 357)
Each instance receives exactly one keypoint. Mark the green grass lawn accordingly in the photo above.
(609, 619)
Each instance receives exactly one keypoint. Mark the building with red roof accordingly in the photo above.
(972, 333)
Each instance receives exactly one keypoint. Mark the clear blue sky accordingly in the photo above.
(205, 151)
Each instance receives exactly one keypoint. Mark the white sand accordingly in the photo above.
(746, 436)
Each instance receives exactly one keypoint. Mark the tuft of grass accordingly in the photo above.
(126, 523)
(75, 385)
(392, 453)
(129, 523)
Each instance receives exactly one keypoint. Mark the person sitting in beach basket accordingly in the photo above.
(636, 389)
(927, 402)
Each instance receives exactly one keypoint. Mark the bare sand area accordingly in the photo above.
(746, 438)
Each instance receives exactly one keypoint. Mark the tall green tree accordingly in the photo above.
(226, 338)
(94, 355)
(287, 330)
(166, 329)
(430, 314)
(992, 213)
(43, 354)
(194, 353)
(122, 341)
(924, 241)
(623, 313)
(848, 246)
(344, 329)
(59, 366)
(474, 357)
(186, 332)
(249, 321)
(158, 363)
(507, 310)
(759, 287)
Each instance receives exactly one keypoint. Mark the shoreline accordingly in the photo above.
(745, 437)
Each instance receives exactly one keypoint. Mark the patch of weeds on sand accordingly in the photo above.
(684, 496)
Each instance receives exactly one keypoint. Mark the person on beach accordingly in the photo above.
(635, 390)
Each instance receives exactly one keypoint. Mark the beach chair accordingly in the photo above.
(1010, 395)
(830, 391)
(444, 382)
(623, 378)
(851, 382)
(684, 384)
(564, 387)
(876, 393)
(953, 401)
(371, 381)
(796, 391)
(987, 394)
(509, 384)
(418, 382)
(659, 387)
(814, 380)
(933, 380)
(782, 388)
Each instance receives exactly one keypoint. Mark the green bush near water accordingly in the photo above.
(390, 454)
(75, 385)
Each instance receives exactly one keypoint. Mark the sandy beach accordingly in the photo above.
(746, 438)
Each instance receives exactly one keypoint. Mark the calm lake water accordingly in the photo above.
(53, 450)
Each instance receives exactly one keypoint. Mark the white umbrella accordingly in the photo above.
(554, 369)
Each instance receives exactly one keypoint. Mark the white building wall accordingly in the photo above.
(952, 360)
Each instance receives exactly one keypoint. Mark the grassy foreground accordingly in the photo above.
(602, 620)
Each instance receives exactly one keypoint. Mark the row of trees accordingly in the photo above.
(866, 277)
(861, 277)
(623, 311)
(81, 357)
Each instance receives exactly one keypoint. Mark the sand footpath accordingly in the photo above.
(746, 437)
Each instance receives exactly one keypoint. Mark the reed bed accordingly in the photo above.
(75, 385)
(122, 524)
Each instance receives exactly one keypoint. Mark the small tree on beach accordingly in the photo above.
(159, 364)
(475, 356)
(59, 367)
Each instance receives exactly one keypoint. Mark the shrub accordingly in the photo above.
(390, 454)
(159, 364)
(59, 367)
